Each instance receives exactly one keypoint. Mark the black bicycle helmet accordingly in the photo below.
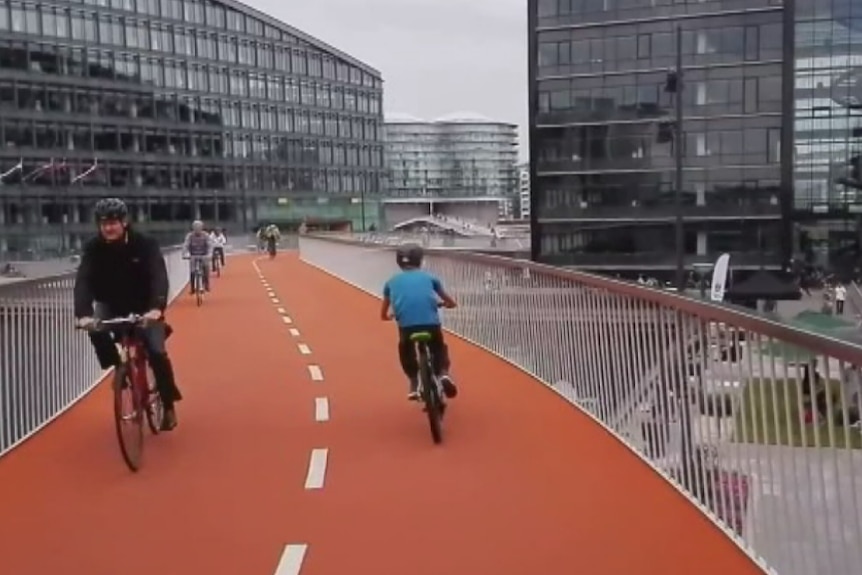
(110, 209)
(409, 256)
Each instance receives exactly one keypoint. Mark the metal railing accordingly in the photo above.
(481, 243)
(714, 399)
(45, 365)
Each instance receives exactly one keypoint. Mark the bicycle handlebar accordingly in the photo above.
(131, 319)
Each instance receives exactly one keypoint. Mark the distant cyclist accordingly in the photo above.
(123, 272)
(271, 235)
(198, 247)
(413, 295)
(219, 243)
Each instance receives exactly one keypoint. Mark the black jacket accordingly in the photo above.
(127, 277)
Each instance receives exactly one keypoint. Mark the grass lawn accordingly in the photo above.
(765, 402)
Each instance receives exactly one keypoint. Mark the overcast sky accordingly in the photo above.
(436, 56)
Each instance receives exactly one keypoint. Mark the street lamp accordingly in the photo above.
(674, 85)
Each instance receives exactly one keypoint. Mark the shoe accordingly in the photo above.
(413, 394)
(449, 389)
(169, 419)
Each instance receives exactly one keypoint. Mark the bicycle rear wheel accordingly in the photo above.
(128, 417)
(433, 406)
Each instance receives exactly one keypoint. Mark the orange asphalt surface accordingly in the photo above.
(523, 483)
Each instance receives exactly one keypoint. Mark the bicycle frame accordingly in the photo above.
(198, 274)
(198, 279)
(133, 355)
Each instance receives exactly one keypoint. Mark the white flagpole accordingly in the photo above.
(86, 172)
(17, 168)
(38, 171)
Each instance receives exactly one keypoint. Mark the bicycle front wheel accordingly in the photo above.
(128, 417)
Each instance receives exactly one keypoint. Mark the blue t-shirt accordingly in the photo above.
(413, 294)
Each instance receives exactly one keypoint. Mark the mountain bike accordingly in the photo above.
(135, 394)
(429, 388)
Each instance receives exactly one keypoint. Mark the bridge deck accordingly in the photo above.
(523, 483)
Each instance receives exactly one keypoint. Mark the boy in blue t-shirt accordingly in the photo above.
(414, 296)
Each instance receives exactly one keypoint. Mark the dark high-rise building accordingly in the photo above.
(601, 132)
(827, 129)
(187, 109)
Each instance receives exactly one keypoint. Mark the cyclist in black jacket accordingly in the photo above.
(123, 272)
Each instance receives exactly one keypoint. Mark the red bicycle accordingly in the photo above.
(135, 393)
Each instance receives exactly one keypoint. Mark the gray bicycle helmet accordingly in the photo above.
(110, 209)
(409, 256)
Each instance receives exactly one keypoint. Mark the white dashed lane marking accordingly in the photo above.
(286, 319)
(315, 372)
(294, 332)
(321, 409)
(304, 349)
(291, 559)
(316, 469)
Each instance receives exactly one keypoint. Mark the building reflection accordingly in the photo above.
(187, 108)
(828, 128)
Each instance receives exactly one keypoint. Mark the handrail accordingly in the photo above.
(27, 281)
(841, 349)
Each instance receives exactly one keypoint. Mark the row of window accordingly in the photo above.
(103, 106)
(170, 175)
(732, 96)
(607, 145)
(88, 138)
(556, 8)
(597, 190)
(99, 27)
(209, 12)
(80, 210)
(181, 75)
(761, 239)
(617, 53)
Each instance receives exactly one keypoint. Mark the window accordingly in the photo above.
(644, 46)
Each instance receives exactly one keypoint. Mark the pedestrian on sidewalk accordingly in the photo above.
(840, 296)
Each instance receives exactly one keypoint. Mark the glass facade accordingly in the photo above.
(186, 108)
(458, 156)
(602, 149)
(828, 131)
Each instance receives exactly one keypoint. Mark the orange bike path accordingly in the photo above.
(523, 483)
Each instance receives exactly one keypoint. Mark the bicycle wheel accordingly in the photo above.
(432, 402)
(155, 411)
(128, 417)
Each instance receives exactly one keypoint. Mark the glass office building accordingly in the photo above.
(601, 131)
(461, 155)
(828, 131)
(187, 109)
